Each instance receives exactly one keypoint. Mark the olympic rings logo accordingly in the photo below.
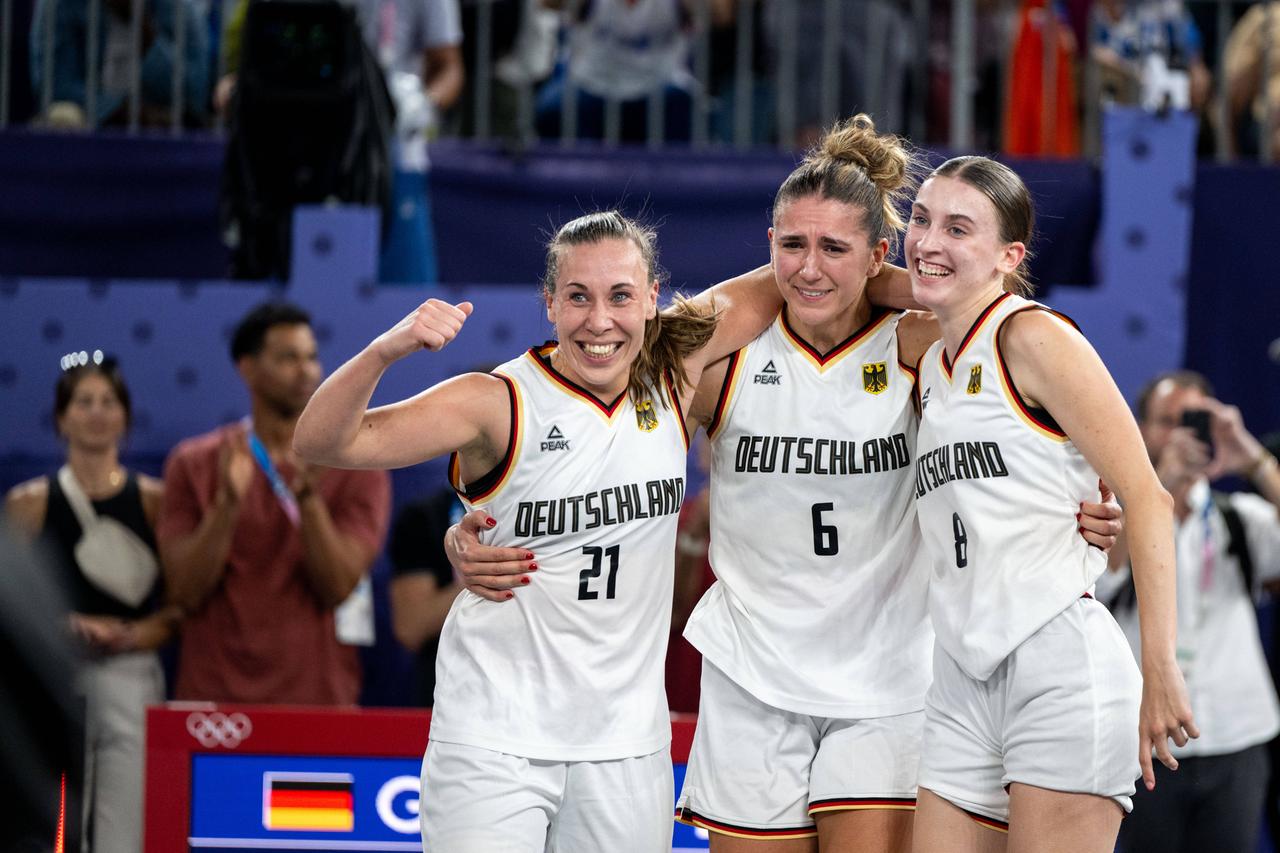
(218, 729)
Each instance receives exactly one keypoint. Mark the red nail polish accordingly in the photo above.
(528, 555)
(510, 596)
(524, 580)
(1079, 530)
(491, 521)
(533, 567)
(1077, 516)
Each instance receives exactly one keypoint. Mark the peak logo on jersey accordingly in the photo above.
(317, 802)
(924, 398)
(768, 376)
(646, 417)
(875, 377)
(975, 380)
(555, 440)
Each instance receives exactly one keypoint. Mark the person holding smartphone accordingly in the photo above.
(1228, 548)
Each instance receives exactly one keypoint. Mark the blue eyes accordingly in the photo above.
(954, 230)
(581, 298)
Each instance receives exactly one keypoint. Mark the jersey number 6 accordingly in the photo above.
(825, 543)
(597, 555)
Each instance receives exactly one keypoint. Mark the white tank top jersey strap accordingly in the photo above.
(571, 669)
(820, 604)
(998, 487)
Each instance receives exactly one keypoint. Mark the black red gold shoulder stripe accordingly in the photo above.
(1039, 419)
(836, 804)
(541, 357)
(969, 335)
(731, 371)
(689, 816)
(912, 370)
(676, 407)
(484, 487)
(878, 316)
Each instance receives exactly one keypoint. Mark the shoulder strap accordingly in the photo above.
(76, 498)
(1237, 542)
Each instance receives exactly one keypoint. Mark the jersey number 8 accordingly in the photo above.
(962, 541)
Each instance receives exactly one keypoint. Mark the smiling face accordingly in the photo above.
(822, 256)
(954, 250)
(95, 417)
(602, 298)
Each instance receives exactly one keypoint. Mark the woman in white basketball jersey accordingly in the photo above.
(1037, 720)
(814, 638)
(550, 728)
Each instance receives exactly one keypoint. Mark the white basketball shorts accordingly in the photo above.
(1061, 713)
(477, 800)
(756, 771)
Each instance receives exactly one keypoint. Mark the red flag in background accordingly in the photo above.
(1040, 122)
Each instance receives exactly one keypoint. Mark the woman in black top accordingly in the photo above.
(97, 516)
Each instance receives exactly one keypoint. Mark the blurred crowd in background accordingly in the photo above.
(1025, 77)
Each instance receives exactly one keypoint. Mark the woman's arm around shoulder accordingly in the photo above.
(891, 288)
(745, 304)
(26, 504)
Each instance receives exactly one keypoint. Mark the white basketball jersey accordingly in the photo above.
(999, 486)
(571, 669)
(820, 606)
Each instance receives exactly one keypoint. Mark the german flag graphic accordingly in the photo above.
(317, 802)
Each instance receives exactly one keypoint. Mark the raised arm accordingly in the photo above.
(1054, 367)
(466, 413)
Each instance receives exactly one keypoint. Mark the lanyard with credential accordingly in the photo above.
(284, 494)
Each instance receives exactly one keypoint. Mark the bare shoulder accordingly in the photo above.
(471, 391)
(1049, 360)
(484, 400)
(26, 504)
(1031, 335)
(150, 487)
(152, 491)
(485, 387)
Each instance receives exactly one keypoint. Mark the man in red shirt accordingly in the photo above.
(258, 547)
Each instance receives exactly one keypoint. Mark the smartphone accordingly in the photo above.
(1197, 420)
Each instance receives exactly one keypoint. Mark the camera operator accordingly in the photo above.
(1228, 548)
